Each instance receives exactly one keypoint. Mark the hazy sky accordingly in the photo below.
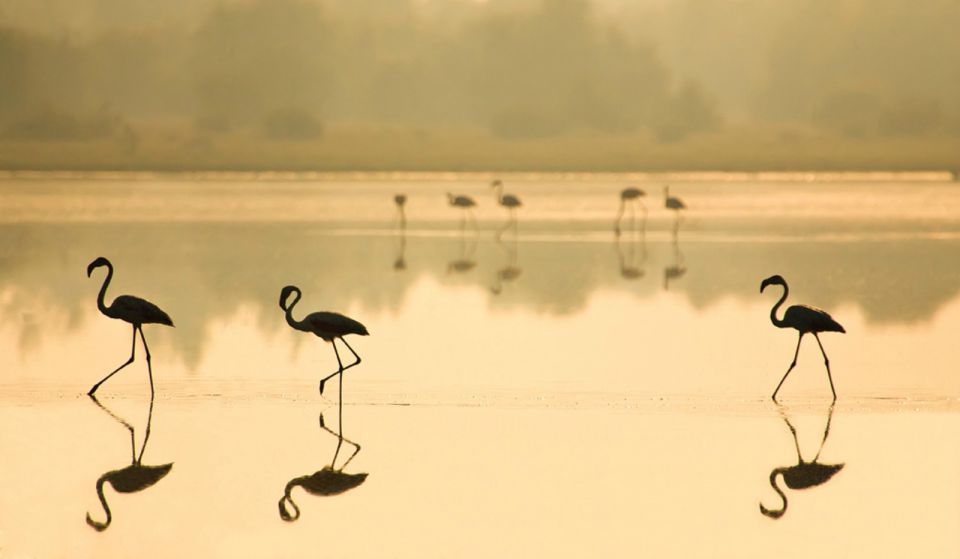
(288, 69)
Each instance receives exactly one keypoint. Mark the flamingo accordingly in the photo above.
(675, 204)
(630, 195)
(325, 482)
(329, 326)
(401, 200)
(133, 478)
(133, 310)
(465, 203)
(805, 320)
(803, 475)
(511, 271)
(508, 201)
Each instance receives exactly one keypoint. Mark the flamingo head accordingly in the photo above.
(772, 280)
(101, 261)
(285, 294)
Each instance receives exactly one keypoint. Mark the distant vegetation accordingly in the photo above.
(537, 84)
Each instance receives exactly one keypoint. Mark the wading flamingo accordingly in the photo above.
(630, 196)
(329, 326)
(133, 310)
(805, 320)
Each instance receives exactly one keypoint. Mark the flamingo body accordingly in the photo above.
(329, 326)
(132, 310)
(631, 193)
(460, 201)
(805, 320)
(400, 199)
(672, 202)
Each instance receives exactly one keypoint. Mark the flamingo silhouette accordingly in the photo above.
(401, 200)
(805, 320)
(632, 196)
(326, 482)
(466, 204)
(133, 310)
(135, 477)
(508, 201)
(803, 475)
(329, 326)
(675, 204)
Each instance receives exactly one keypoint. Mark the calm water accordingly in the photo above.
(551, 391)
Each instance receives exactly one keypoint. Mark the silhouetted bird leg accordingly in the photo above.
(616, 220)
(324, 380)
(633, 219)
(342, 368)
(643, 226)
(340, 439)
(149, 367)
(826, 433)
(792, 365)
(133, 350)
(826, 361)
(146, 434)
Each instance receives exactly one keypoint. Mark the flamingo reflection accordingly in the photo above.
(803, 475)
(511, 270)
(326, 482)
(627, 258)
(131, 479)
(677, 269)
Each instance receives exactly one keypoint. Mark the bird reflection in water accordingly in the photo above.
(679, 266)
(627, 256)
(464, 261)
(326, 482)
(511, 269)
(131, 479)
(803, 475)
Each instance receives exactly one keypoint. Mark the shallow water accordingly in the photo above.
(550, 390)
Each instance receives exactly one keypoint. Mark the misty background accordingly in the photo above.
(460, 84)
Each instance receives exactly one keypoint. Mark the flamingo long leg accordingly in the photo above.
(133, 350)
(149, 367)
(340, 363)
(792, 365)
(826, 361)
(616, 220)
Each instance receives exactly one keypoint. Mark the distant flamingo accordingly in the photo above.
(401, 200)
(326, 482)
(466, 204)
(804, 474)
(675, 204)
(508, 201)
(329, 326)
(133, 478)
(133, 310)
(805, 320)
(632, 196)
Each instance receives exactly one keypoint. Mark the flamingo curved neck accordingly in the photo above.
(773, 312)
(101, 526)
(103, 290)
(286, 497)
(289, 312)
(775, 513)
(498, 191)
